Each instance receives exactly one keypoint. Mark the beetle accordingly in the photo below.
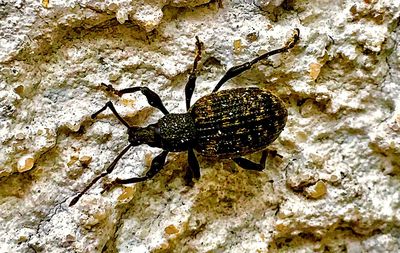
(224, 124)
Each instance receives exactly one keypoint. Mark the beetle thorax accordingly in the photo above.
(177, 132)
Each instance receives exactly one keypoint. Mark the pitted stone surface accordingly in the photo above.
(333, 185)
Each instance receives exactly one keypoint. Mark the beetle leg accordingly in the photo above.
(194, 169)
(110, 105)
(108, 171)
(249, 165)
(191, 84)
(189, 88)
(156, 165)
(193, 164)
(236, 70)
(152, 97)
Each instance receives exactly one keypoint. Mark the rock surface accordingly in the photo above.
(332, 187)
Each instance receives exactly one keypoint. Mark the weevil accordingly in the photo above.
(224, 124)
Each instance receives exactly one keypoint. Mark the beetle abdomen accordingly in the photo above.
(235, 122)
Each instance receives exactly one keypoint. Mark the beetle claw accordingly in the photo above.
(110, 88)
(107, 186)
(292, 41)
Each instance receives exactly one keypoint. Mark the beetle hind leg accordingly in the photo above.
(239, 69)
(191, 84)
(193, 172)
(249, 165)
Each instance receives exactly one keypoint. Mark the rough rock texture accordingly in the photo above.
(334, 187)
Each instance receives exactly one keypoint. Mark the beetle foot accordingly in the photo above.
(274, 153)
(110, 88)
(294, 39)
(189, 178)
(107, 186)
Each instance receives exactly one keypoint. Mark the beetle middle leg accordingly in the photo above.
(237, 70)
(194, 168)
(249, 165)
(191, 84)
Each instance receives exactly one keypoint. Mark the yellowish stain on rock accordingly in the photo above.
(127, 102)
(316, 191)
(45, 3)
(72, 160)
(85, 160)
(171, 229)
(315, 69)
(25, 163)
(127, 194)
(237, 46)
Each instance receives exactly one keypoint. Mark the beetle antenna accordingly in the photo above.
(108, 171)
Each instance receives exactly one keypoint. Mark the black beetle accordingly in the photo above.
(224, 124)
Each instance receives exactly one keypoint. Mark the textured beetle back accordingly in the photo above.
(177, 132)
(235, 122)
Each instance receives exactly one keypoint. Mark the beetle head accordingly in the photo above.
(143, 135)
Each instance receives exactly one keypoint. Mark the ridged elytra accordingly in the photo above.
(236, 122)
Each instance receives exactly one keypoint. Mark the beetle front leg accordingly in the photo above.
(152, 98)
(237, 70)
(249, 165)
(191, 84)
(109, 169)
(156, 165)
